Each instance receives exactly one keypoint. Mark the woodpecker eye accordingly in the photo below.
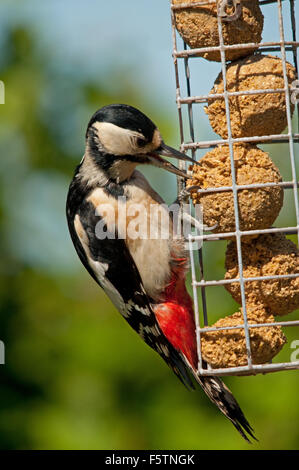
(141, 142)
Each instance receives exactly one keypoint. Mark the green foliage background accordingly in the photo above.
(76, 376)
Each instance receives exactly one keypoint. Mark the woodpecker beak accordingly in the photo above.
(155, 159)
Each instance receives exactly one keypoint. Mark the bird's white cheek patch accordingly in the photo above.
(116, 140)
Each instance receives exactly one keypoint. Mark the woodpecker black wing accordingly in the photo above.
(109, 262)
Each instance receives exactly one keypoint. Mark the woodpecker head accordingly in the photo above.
(120, 137)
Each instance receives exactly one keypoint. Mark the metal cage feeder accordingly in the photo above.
(184, 77)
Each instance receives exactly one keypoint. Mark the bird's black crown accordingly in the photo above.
(125, 116)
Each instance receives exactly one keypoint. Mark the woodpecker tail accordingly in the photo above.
(223, 398)
(176, 319)
(180, 333)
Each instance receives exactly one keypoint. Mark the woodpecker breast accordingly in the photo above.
(142, 219)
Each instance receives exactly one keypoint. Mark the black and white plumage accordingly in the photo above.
(144, 278)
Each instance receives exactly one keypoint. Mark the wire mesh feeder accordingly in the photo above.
(185, 104)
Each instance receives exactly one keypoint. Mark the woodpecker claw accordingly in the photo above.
(183, 195)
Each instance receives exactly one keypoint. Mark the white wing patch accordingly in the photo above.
(125, 308)
(100, 269)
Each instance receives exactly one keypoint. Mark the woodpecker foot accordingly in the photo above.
(184, 194)
(196, 223)
(183, 198)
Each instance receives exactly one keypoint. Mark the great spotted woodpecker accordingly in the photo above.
(143, 276)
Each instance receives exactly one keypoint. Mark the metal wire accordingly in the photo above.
(198, 279)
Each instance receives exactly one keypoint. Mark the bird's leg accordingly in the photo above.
(196, 223)
(183, 198)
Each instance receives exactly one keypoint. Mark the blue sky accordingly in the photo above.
(103, 38)
(97, 35)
